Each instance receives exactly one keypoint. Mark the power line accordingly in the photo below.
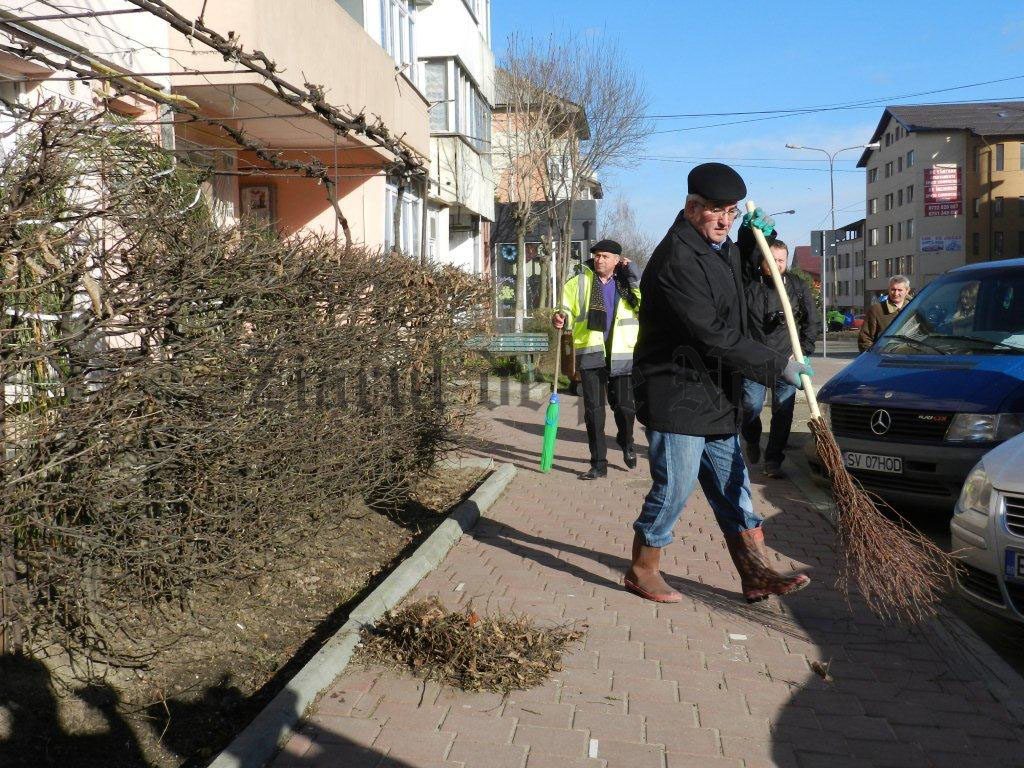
(837, 106)
(742, 165)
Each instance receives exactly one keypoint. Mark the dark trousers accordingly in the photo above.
(595, 383)
(783, 402)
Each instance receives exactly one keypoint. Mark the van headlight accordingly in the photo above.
(984, 427)
(976, 493)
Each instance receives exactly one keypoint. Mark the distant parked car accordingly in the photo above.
(858, 321)
(939, 389)
(988, 531)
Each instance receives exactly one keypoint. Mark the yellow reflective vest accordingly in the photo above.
(589, 345)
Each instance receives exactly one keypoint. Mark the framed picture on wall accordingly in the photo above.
(258, 202)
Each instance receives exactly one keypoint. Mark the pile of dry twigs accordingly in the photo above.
(898, 571)
(466, 650)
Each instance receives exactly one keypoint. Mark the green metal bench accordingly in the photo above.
(520, 345)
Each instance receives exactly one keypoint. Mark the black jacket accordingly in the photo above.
(764, 313)
(693, 351)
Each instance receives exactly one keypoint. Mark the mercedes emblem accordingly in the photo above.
(881, 422)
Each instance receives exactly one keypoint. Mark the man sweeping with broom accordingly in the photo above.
(690, 360)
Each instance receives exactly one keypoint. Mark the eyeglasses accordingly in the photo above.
(721, 210)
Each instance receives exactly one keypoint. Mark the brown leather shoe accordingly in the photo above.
(758, 579)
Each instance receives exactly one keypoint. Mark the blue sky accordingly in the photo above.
(712, 57)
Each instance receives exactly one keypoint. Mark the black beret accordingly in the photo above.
(717, 182)
(606, 246)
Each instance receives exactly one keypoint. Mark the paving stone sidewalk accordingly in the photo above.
(708, 683)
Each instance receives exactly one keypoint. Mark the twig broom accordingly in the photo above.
(899, 572)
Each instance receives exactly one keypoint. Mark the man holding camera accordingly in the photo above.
(601, 305)
(767, 325)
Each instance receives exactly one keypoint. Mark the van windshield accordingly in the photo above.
(979, 314)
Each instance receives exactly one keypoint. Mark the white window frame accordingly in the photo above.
(411, 224)
(398, 35)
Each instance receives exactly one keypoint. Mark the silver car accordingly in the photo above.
(988, 531)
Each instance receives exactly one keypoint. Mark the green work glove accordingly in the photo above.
(791, 373)
(759, 220)
(807, 362)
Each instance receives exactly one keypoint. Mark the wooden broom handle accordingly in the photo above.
(787, 309)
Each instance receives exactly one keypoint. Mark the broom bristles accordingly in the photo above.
(899, 572)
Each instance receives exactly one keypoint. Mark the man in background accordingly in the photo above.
(767, 325)
(879, 316)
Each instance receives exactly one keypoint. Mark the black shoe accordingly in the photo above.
(629, 456)
(774, 469)
(753, 451)
(594, 474)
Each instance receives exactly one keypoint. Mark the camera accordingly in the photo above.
(772, 320)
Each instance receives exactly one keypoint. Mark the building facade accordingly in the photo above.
(846, 269)
(945, 187)
(453, 39)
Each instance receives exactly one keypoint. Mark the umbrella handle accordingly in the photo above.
(787, 309)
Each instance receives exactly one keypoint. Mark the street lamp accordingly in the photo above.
(832, 209)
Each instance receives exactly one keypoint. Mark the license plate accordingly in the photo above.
(1014, 565)
(872, 462)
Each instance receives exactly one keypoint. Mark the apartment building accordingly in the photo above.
(945, 187)
(846, 269)
(133, 42)
(453, 39)
(315, 42)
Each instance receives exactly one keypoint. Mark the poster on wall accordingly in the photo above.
(257, 202)
(937, 244)
(942, 191)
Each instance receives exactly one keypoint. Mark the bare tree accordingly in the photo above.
(603, 124)
(528, 116)
(620, 224)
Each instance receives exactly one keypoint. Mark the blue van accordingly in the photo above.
(940, 388)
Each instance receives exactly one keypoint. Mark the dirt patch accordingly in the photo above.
(248, 640)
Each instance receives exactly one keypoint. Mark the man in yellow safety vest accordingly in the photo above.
(600, 304)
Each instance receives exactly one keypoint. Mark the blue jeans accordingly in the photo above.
(677, 463)
(783, 400)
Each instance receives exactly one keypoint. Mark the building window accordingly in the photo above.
(888, 139)
(910, 193)
(873, 269)
(873, 204)
(888, 233)
(899, 164)
(976, 243)
(977, 207)
(910, 159)
(997, 206)
(910, 228)
(436, 88)
(457, 104)
(999, 157)
(398, 34)
(899, 197)
(910, 265)
(888, 169)
(872, 175)
(410, 225)
(888, 202)
(899, 231)
(873, 237)
(997, 244)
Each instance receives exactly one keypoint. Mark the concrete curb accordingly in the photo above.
(948, 632)
(260, 740)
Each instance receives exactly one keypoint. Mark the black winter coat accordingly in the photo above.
(764, 314)
(693, 351)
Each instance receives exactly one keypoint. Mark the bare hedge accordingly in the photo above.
(182, 397)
